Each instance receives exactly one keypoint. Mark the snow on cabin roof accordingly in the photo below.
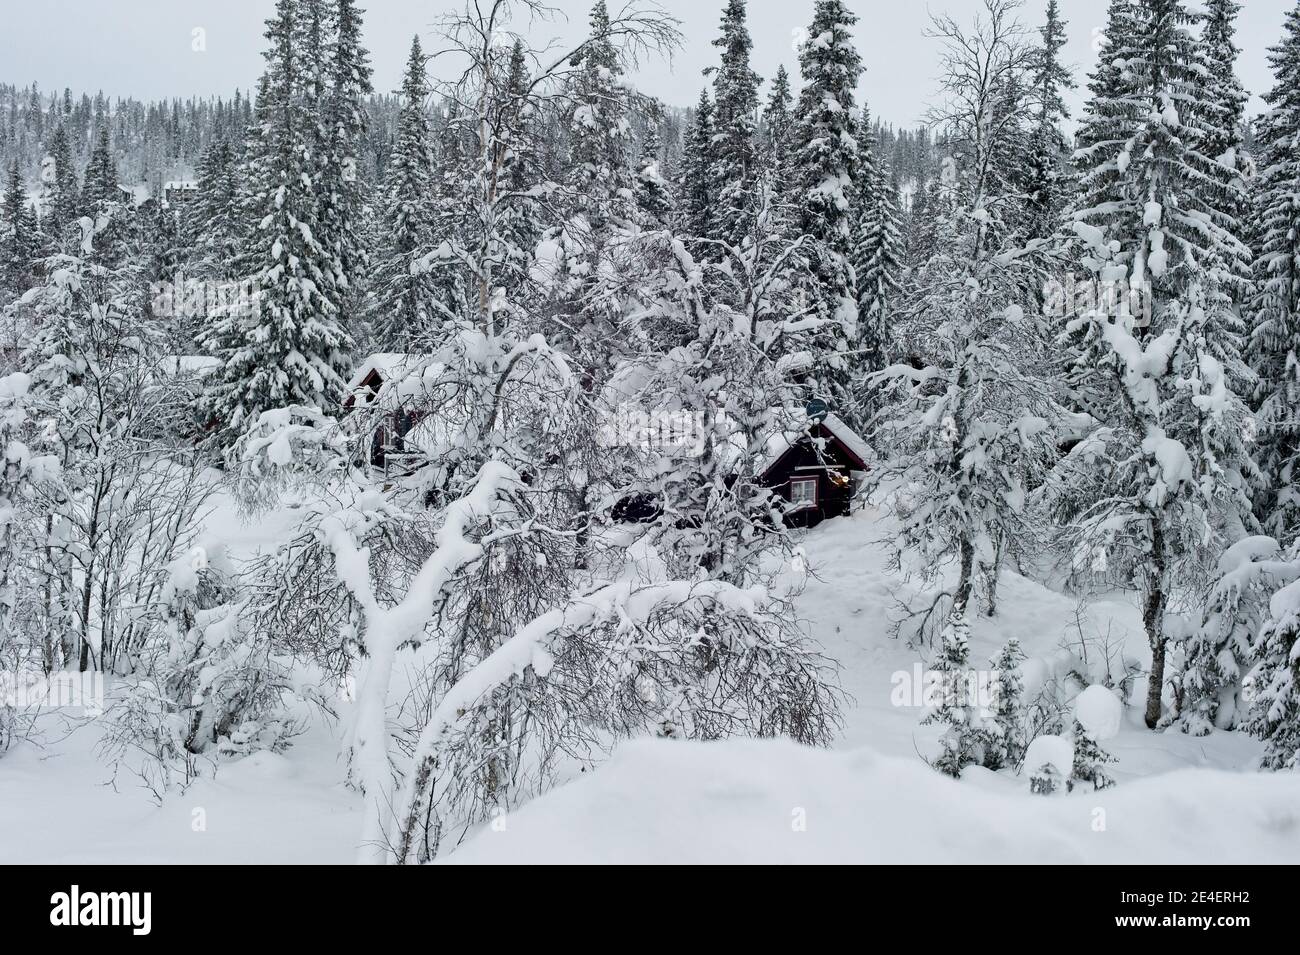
(139, 194)
(180, 184)
(388, 364)
(383, 362)
(779, 444)
(852, 440)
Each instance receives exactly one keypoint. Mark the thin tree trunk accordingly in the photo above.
(966, 580)
(87, 598)
(1153, 615)
(991, 573)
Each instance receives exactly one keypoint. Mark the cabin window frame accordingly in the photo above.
(803, 505)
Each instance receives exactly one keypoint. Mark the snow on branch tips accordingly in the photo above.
(284, 446)
(703, 659)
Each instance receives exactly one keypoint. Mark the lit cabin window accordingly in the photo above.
(803, 492)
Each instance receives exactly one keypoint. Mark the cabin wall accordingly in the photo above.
(803, 461)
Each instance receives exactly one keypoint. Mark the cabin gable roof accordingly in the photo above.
(842, 443)
(371, 374)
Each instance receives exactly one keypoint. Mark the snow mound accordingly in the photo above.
(1099, 711)
(1054, 751)
(772, 801)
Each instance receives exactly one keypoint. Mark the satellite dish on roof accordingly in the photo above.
(817, 409)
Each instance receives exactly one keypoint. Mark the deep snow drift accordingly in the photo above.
(745, 801)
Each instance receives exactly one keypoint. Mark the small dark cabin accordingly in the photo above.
(816, 471)
(396, 423)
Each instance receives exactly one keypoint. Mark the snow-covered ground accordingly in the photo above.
(869, 799)
(59, 807)
(850, 598)
(745, 801)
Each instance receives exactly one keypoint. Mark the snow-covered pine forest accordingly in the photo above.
(396, 476)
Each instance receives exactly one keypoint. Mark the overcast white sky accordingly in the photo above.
(145, 48)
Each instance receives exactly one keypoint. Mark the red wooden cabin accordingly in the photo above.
(816, 471)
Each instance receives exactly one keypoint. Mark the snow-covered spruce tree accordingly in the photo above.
(1052, 79)
(454, 177)
(404, 313)
(1225, 119)
(735, 109)
(671, 123)
(524, 178)
(824, 168)
(877, 252)
(696, 190)
(776, 158)
(338, 184)
(311, 42)
(970, 417)
(1045, 778)
(1274, 712)
(1006, 742)
(120, 237)
(20, 238)
(1221, 117)
(963, 743)
(60, 191)
(212, 227)
(1107, 120)
(288, 348)
(778, 127)
(1089, 759)
(654, 197)
(1275, 307)
(1048, 183)
(1218, 653)
(931, 218)
(1166, 472)
(599, 187)
(100, 181)
(1104, 124)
